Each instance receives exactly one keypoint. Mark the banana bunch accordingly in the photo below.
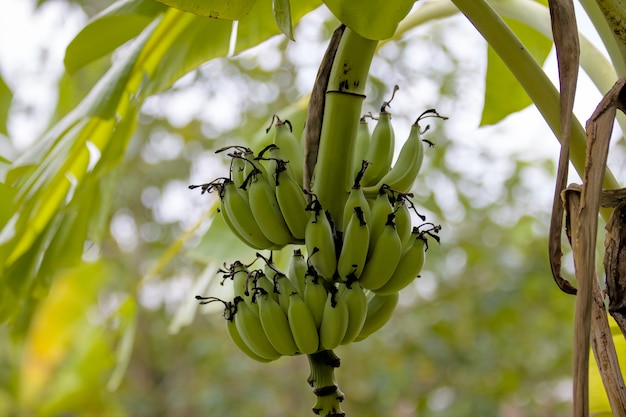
(346, 285)
(273, 314)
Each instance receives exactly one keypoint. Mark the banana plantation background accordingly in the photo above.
(106, 322)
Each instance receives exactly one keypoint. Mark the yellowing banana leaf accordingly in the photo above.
(372, 19)
(499, 78)
(216, 9)
(65, 355)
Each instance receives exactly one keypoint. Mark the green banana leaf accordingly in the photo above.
(499, 78)
(217, 9)
(372, 19)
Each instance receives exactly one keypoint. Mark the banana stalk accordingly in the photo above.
(322, 379)
(342, 112)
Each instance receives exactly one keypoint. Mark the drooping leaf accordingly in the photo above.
(499, 78)
(282, 17)
(216, 9)
(259, 24)
(97, 39)
(371, 19)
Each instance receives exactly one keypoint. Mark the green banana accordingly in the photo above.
(382, 146)
(381, 209)
(409, 266)
(320, 241)
(404, 172)
(261, 280)
(275, 324)
(411, 261)
(297, 270)
(231, 328)
(403, 218)
(232, 331)
(334, 320)
(356, 198)
(302, 325)
(237, 162)
(353, 295)
(237, 167)
(383, 259)
(290, 146)
(251, 331)
(239, 273)
(292, 201)
(355, 246)
(265, 210)
(314, 295)
(285, 288)
(237, 214)
(380, 308)
(361, 144)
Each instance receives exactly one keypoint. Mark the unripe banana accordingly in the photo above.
(356, 198)
(334, 320)
(237, 168)
(380, 152)
(362, 144)
(251, 331)
(314, 295)
(383, 259)
(411, 261)
(237, 163)
(297, 270)
(320, 241)
(381, 209)
(409, 265)
(380, 308)
(265, 209)
(239, 217)
(285, 288)
(231, 328)
(404, 172)
(353, 295)
(403, 218)
(238, 272)
(355, 246)
(276, 325)
(290, 147)
(261, 280)
(292, 201)
(302, 325)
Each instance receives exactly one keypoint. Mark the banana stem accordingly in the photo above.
(342, 111)
(322, 379)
